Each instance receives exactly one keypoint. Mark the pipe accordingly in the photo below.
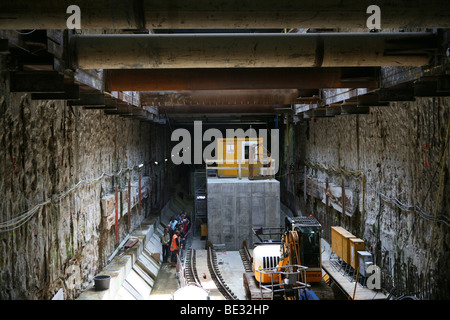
(141, 51)
(218, 97)
(233, 78)
(197, 14)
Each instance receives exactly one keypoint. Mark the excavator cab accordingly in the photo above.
(309, 235)
(288, 258)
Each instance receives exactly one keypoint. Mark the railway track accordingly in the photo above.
(216, 276)
(191, 269)
(192, 278)
(246, 257)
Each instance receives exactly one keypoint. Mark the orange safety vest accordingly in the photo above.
(173, 244)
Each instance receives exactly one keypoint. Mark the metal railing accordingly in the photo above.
(290, 278)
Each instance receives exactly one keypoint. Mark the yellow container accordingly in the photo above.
(340, 243)
(233, 151)
(356, 245)
(336, 240)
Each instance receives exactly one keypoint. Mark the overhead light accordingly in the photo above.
(165, 159)
(156, 162)
(141, 165)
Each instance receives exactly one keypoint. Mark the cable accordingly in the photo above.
(394, 201)
(356, 174)
(23, 218)
(25, 33)
(405, 207)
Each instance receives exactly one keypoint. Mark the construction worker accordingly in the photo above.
(165, 241)
(174, 248)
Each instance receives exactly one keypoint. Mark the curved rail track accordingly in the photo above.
(192, 278)
(216, 276)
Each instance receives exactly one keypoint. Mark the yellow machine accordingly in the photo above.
(346, 246)
(302, 239)
(291, 260)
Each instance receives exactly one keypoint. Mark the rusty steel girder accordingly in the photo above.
(226, 110)
(238, 78)
(219, 97)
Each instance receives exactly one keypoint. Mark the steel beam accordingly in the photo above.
(89, 99)
(36, 81)
(429, 89)
(236, 109)
(140, 51)
(218, 97)
(399, 93)
(71, 92)
(4, 46)
(230, 78)
(371, 100)
(193, 14)
(354, 110)
(443, 83)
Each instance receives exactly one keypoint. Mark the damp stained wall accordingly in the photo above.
(399, 149)
(47, 147)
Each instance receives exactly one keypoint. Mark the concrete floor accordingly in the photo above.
(208, 283)
(232, 270)
(230, 266)
(166, 283)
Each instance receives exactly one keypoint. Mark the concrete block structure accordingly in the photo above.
(236, 205)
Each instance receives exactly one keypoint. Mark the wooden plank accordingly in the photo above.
(362, 293)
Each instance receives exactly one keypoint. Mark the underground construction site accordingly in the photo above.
(292, 150)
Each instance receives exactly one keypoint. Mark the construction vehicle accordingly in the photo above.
(287, 259)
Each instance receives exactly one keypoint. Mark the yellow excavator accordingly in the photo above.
(289, 258)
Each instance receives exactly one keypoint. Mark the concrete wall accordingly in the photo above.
(46, 147)
(399, 149)
(235, 206)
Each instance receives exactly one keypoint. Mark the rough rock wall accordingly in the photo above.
(46, 148)
(399, 149)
